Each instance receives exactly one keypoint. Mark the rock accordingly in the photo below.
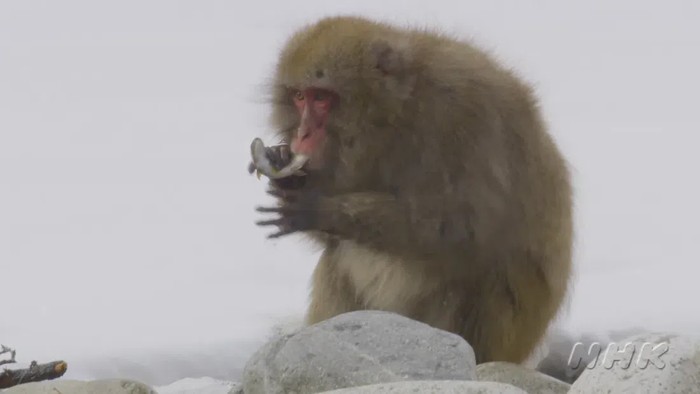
(556, 362)
(559, 346)
(107, 386)
(649, 363)
(203, 385)
(356, 349)
(527, 379)
(237, 389)
(432, 387)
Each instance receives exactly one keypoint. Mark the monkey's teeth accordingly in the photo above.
(264, 166)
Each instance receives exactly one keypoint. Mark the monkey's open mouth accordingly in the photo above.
(264, 166)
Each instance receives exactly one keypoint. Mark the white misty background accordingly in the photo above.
(126, 212)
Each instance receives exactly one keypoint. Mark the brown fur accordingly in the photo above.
(443, 197)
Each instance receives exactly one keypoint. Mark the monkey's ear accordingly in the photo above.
(391, 58)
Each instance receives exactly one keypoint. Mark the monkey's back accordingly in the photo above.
(516, 188)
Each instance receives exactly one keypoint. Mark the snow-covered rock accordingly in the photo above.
(204, 385)
(433, 387)
(527, 379)
(648, 363)
(354, 349)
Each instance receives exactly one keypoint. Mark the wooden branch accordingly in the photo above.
(4, 349)
(35, 373)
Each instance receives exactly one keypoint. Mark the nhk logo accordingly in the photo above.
(625, 355)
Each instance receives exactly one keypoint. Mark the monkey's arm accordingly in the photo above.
(378, 220)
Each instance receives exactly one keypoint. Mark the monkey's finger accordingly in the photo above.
(276, 193)
(271, 209)
(271, 154)
(272, 222)
(283, 210)
(281, 233)
(279, 155)
(286, 195)
(285, 153)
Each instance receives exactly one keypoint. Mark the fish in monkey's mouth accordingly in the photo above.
(262, 165)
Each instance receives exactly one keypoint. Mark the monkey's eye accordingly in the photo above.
(298, 95)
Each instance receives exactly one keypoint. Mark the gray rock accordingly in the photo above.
(108, 386)
(433, 387)
(650, 363)
(556, 362)
(527, 379)
(356, 349)
(560, 345)
(237, 389)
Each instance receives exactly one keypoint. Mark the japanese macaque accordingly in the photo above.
(428, 177)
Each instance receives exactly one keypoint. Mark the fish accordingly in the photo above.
(262, 165)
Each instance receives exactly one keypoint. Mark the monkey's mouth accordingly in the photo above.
(263, 166)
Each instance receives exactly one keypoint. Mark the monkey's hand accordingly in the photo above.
(276, 156)
(374, 219)
(346, 215)
(298, 211)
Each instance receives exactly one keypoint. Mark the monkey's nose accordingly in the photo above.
(303, 133)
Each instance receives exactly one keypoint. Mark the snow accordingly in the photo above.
(196, 386)
(127, 244)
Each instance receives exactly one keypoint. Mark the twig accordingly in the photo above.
(4, 349)
(35, 373)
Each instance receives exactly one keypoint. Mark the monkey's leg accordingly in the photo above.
(508, 320)
(331, 292)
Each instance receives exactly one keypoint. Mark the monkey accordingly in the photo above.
(432, 183)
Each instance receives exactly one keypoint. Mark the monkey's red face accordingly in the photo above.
(314, 106)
